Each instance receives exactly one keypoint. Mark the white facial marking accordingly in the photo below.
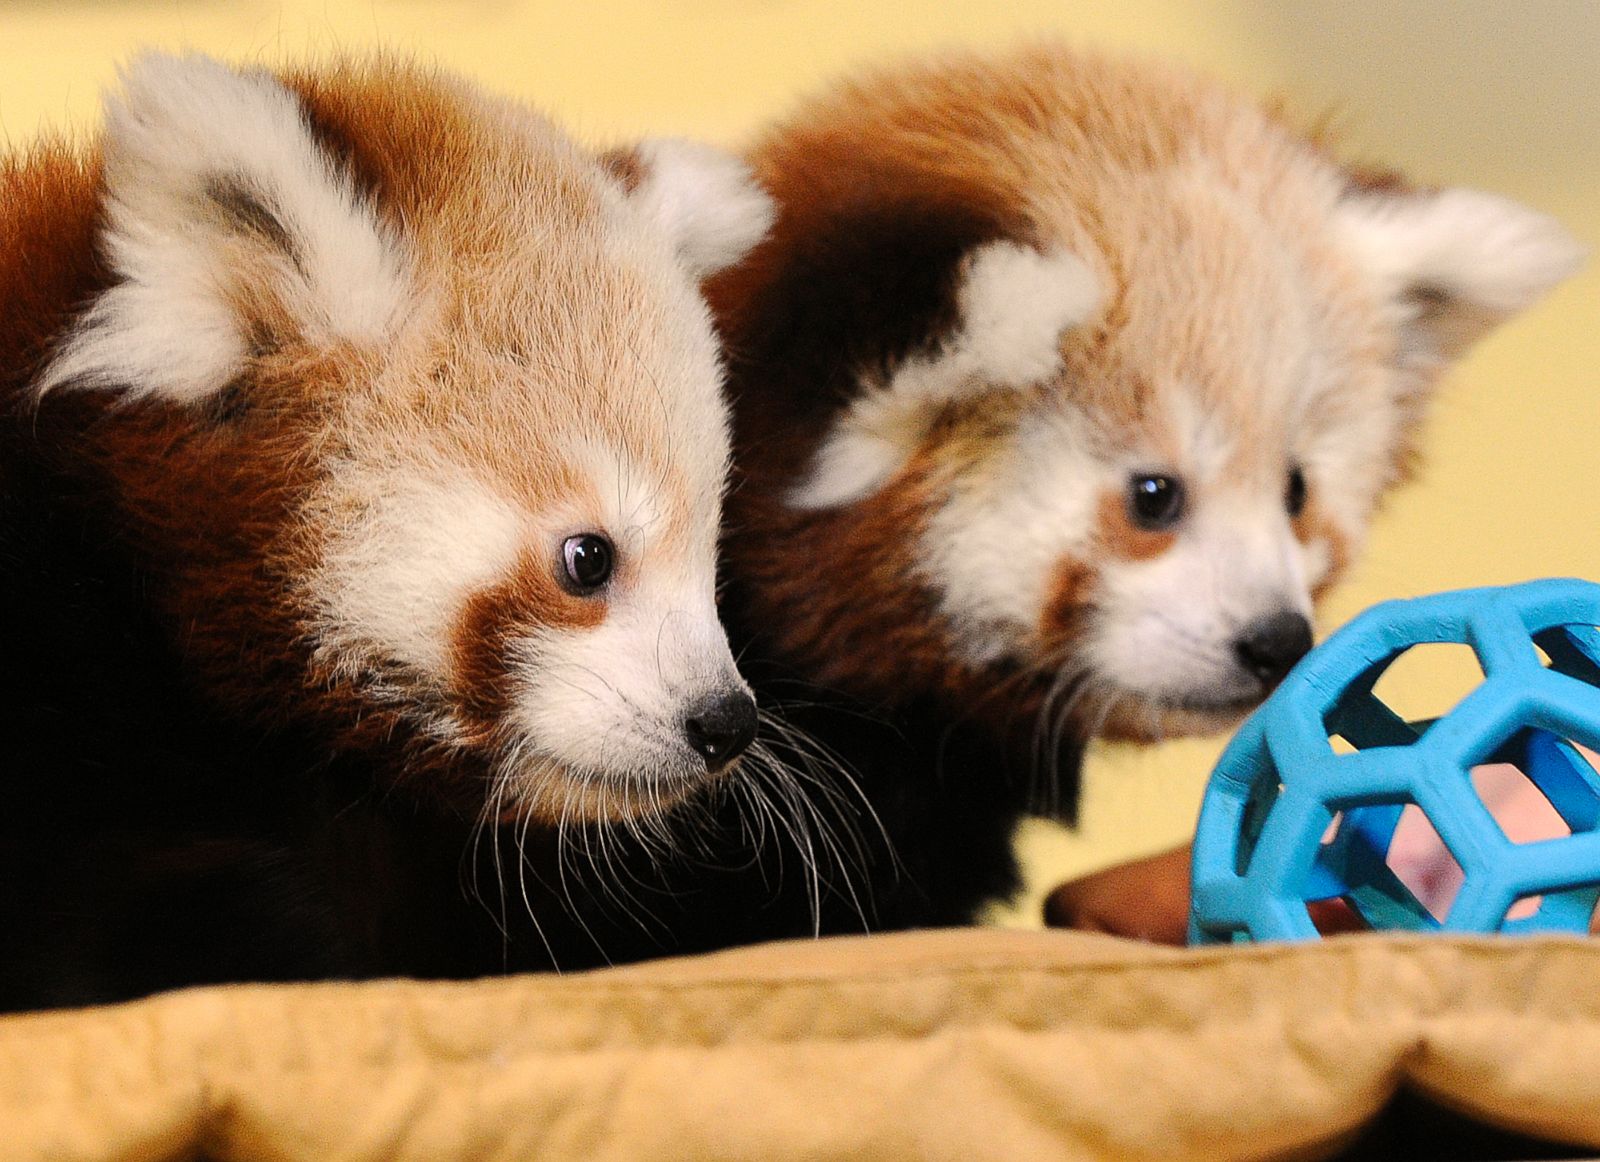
(991, 550)
(608, 701)
(613, 697)
(396, 578)
(1318, 562)
(185, 132)
(612, 700)
(1014, 304)
(1168, 630)
(1163, 628)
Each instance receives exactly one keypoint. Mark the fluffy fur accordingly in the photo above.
(999, 293)
(309, 382)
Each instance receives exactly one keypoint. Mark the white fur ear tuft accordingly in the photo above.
(217, 196)
(1014, 303)
(1460, 261)
(706, 201)
(865, 448)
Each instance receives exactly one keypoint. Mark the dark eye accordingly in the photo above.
(1155, 501)
(587, 559)
(1294, 497)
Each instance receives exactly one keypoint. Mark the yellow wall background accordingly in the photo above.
(1502, 94)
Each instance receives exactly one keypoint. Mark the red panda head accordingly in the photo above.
(412, 414)
(1067, 385)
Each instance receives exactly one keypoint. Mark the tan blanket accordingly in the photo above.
(960, 1045)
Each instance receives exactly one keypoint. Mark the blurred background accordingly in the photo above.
(1500, 94)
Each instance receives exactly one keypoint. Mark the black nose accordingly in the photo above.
(721, 727)
(1270, 646)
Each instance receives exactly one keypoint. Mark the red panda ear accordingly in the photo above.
(228, 229)
(1013, 304)
(1455, 262)
(706, 201)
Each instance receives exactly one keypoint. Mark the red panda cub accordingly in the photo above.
(1063, 386)
(361, 462)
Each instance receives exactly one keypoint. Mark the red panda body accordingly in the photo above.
(1063, 386)
(1059, 389)
(360, 471)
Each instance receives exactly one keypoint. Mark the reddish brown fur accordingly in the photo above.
(868, 636)
(1119, 537)
(527, 599)
(49, 266)
(1313, 524)
(1067, 607)
(48, 261)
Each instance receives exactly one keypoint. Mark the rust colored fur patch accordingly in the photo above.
(625, 166)
(1068, 605)
(529, 598)
(1119, 537)
(48, 262)
(1313, 524)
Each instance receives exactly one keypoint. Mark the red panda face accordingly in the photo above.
(1068, 385)
(415, 414)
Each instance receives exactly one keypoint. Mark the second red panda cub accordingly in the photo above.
(1063, 386)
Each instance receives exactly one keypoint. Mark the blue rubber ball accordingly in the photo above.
(1304, 805)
